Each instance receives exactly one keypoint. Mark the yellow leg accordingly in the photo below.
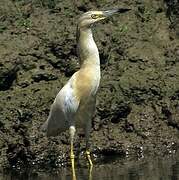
(72, 156)
(89, 158)
(90, 164)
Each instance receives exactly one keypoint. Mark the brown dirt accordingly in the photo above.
(138, 100)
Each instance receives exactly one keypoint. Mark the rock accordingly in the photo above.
(40, 76)
(7, 76)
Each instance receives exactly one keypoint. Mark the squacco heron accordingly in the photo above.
(74, 105)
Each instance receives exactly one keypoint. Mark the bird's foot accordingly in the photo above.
(89, 158)
(90, 164)
(72, 157)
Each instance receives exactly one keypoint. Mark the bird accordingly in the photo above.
(74, 105)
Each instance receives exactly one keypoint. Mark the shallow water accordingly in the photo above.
(153, 168)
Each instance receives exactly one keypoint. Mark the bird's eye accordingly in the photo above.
(95, 16)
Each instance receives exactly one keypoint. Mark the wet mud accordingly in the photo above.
(137, 110)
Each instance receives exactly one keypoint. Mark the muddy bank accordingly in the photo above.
(138, 100)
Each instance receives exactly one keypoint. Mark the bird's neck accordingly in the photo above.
(86, 47)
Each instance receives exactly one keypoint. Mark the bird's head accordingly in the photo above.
(91, 17)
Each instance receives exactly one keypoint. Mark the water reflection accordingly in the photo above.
(156, 168)
(145, 169)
